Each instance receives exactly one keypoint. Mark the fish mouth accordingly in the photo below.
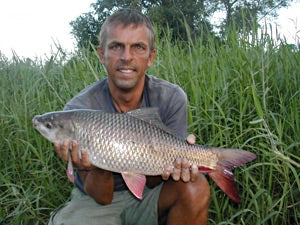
(35, 122)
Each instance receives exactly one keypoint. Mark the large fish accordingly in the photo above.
(136, 144)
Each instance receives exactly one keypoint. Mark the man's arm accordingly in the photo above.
(98, 183)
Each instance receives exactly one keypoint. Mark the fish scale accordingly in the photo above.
(137, 143)
(123, 146)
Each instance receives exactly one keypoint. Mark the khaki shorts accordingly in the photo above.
(125, 209)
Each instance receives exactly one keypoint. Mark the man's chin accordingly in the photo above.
(125, 86)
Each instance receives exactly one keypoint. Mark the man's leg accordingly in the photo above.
(82, 209)
(184, 203)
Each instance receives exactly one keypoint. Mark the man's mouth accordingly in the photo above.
(126, 70)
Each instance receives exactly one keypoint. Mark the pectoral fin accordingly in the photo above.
(70, 169)
(135, 183)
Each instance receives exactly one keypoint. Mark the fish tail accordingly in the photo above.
(223, 176)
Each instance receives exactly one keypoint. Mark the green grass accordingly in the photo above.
(241, 94)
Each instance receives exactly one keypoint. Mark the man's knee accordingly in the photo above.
(188, 200)
(194, 194)
(197, 192)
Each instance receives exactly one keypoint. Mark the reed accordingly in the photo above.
(242, 94)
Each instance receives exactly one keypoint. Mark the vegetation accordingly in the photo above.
(176, 14)
(242, 94)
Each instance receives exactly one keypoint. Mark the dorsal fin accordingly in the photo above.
(151, 116)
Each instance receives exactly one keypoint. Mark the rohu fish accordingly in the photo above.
(136, 144)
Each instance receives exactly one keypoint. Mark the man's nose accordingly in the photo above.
(126, 54)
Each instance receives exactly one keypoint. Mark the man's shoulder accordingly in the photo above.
(171, 101)
(159, 82)
(87, 97)
(160, 88)
(97, 86)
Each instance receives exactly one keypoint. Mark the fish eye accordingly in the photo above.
(49, 125)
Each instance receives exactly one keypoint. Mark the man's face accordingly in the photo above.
(126, 56)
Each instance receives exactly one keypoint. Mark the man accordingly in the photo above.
(181, 194)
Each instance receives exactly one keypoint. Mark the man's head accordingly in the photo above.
(127, 49)
(127, 17)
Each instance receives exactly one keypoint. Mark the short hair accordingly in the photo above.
(127, 17)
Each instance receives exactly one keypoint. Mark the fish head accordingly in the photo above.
(55, 126)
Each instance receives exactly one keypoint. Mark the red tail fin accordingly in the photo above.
(223, 176)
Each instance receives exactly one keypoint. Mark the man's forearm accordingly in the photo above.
(98, 184)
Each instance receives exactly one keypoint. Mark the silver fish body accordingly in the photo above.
(137, 143)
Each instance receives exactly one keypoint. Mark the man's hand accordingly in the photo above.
(62, 150)
(98, 183)
(182, 168)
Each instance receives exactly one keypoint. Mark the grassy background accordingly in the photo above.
(243, 94)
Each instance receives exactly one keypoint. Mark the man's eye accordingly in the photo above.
(139, 47)
(116, 47)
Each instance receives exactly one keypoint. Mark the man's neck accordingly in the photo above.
(126, 101)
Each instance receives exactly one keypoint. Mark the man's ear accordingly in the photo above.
(151, 58)
(101, 54)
